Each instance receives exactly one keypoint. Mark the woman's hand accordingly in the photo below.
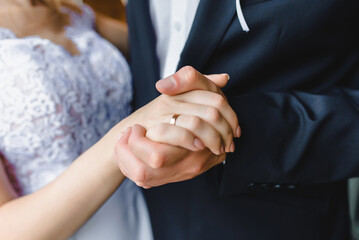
(205, 118)
(152, 163)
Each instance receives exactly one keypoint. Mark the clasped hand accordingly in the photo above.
(153, 152)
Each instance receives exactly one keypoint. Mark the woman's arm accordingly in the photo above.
(62, 207)
(7, 192)
(114, 31)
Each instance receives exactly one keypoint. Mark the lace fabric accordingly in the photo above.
(54, 105)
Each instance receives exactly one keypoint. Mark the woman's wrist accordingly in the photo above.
(107, 145)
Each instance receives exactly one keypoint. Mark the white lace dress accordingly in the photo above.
(54, 106)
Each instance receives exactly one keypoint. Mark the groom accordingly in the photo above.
(294, 86)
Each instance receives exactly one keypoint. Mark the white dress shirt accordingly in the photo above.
(172, 21)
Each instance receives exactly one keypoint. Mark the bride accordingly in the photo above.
(64, 89)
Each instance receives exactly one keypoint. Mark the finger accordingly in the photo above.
(124, 136)
(188, 168)
(176, 136)
(192, 166)
(220, 80)
(121, 143)
(212, 99)
(210, 137)
(153, 154)
(209, 114)
(129, 165)
(184, 80)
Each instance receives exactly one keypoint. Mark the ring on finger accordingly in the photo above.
(173, 119)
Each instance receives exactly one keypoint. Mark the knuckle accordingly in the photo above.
(213, 114)
(189, 73)
(219, 101)
(156, 160)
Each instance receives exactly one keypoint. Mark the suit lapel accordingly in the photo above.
(209, 26)
(141, 27)
(143, 60)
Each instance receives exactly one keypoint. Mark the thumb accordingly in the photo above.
(124, 136)
(220, 80)
(188, 79)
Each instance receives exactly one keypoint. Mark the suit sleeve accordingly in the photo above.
(294, 138)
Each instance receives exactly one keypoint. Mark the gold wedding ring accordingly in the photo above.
(173, 119)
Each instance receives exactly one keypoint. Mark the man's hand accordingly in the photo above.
(150, 163)
(188, 79)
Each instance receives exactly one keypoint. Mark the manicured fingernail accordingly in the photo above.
(232, 147)
(238, 132)
(198, 144)
(167, 83)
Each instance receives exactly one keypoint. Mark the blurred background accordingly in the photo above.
(112, 8)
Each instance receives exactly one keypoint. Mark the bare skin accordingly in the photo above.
(79, 192)
(26, 20)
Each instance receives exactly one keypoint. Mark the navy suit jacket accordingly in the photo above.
(295, 88)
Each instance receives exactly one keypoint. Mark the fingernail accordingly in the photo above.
(227, 75)
(232, 147)
(167, 83)
(198, 144)
(238, 132)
